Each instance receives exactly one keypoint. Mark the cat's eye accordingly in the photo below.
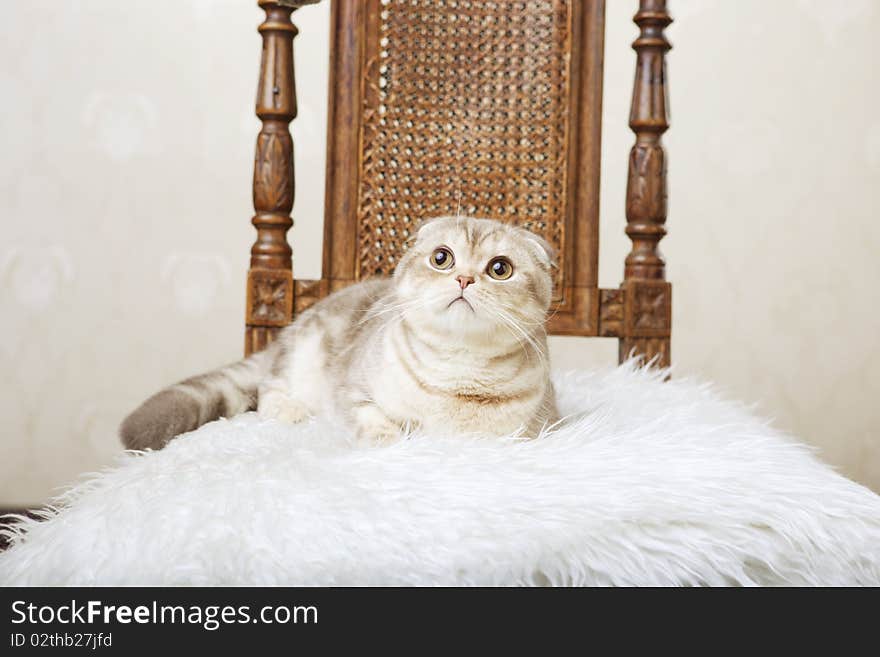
(500, 269)
(442, 258)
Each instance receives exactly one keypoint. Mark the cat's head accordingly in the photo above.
(475, 276)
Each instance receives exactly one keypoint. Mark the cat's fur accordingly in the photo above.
(398, 353)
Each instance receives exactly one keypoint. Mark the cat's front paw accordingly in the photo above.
(275, 405)
(374, 428)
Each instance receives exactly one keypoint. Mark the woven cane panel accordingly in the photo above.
(466, 111)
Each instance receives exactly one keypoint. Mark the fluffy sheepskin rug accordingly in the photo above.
(650, 483)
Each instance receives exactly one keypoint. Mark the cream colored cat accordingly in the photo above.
(454, 342)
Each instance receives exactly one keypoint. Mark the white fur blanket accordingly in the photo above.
(657, 483)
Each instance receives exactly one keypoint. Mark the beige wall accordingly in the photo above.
(125, 158)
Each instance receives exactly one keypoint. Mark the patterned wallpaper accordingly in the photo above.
(127, 137)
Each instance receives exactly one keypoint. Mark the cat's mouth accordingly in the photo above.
(460, 298)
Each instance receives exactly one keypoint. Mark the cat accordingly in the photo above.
(453, 342)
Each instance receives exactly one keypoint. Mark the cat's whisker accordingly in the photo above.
(524, 322)
(412, 304)
(520, 334)
(536, 346)
(400, 309)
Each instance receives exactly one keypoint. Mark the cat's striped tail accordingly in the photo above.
(187, 405)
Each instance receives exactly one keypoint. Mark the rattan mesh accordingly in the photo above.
(466, 112)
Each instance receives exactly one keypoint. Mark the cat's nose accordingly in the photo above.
(464, 281)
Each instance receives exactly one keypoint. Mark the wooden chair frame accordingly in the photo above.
(638, 313)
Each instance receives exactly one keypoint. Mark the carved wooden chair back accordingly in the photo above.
(488, 109)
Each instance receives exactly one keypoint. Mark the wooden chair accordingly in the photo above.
(488, 108)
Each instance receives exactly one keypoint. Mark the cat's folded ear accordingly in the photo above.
(422, 225)
(425, 223)
(542, 249)
(420, 228)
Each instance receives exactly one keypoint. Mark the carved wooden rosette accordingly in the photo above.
(647, 297)
(270, 279)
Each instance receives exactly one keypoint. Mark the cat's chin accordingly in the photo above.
(461, 324)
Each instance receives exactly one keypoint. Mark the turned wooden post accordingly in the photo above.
(269, 304)
(647, 296)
